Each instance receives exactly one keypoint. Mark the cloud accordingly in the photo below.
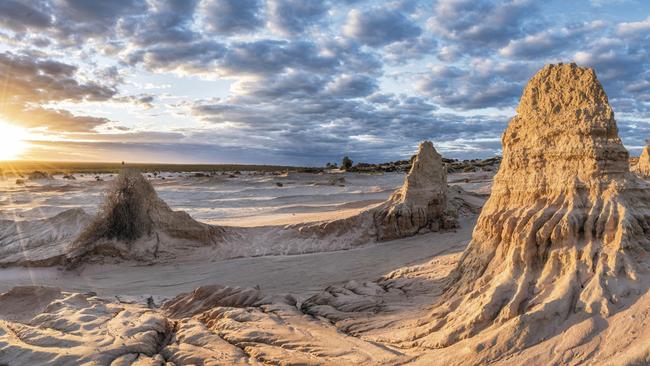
(231, 16)
(634, 28)
(323, 118)
(380, 26)
(477, 24)
(352, 86)
(30, 81)
(55, 120)
(550, 42)
(166, 22)
(19, 16)
(199, 56)
(483, 84)
(272, 56)
(308, 80)
(410, 49)
(291, 17)
(30, 78)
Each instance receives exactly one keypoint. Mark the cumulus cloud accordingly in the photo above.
(307, 79)
(183, 58)
(553, 41)
(483, 84)
(635, 28)
(380, 26)
(165, 22)
(31, 81)
(231, 16)
(352, 86)
(290, 17)
(19, 16)
(29, 78)
(272, 56)
(481, 23)
(55, 120)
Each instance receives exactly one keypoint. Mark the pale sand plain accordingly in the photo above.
(249, 201)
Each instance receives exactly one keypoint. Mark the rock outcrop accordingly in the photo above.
(421, 203)
(643, 166)
(566, 230)
(134, 223)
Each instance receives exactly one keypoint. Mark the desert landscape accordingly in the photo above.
(324, 182)
(543, 263)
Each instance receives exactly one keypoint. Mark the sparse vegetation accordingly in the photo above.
(346, 163)
(123, 215)
(37, 174)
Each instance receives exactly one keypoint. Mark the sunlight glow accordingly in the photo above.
(12, 141)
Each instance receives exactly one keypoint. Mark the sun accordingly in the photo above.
(13, 141)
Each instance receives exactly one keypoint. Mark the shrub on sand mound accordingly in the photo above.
(123, 215)
(134, 223)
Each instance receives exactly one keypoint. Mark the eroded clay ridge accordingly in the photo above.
(421, 203)
(565, 231)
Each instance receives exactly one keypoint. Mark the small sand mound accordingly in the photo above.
(40, 242)
(421, 203)
(566, 230)
(134, 223)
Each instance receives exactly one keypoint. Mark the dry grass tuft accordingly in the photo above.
(124, 214)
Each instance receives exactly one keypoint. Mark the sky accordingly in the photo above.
(301, 82)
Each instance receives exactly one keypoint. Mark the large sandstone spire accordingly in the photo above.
(421, 203)
(566, 229)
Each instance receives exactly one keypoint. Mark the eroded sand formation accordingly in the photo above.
(134, 223)
(565, 232)
(643, 166)
(421, 204)
(556, 273)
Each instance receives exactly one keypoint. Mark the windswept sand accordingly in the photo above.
(298, 274)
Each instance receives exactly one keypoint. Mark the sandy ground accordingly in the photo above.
(239, 201)
(299, 274)
(103, 313)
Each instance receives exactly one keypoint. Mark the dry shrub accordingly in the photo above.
(124, 214)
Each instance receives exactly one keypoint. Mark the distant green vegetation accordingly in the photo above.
(64, 167)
